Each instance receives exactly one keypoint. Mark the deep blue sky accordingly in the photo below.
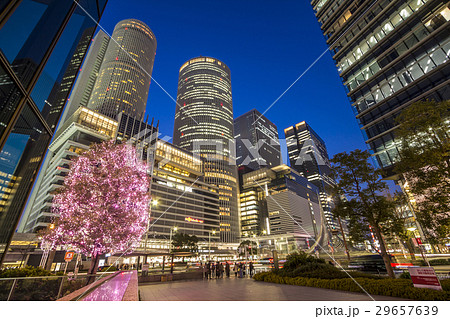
(266, 44)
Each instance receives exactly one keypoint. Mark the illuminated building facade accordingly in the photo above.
(308, 155)
(38, 64)
(124, 77)
(181, 200)
(389, 54)
(278, 201)
(257, 143)
(82, 129)
(204, 126)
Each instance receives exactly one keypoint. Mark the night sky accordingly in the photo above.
(267, 46)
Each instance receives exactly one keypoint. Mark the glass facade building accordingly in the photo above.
(124, 77)
(257, 143)
(42, 46)
(308, 155)
(278, 201)
(389, 54)
(204, 125)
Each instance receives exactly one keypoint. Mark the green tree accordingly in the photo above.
(424, 163)
(185, 242)
(366, 207)
(250, 245)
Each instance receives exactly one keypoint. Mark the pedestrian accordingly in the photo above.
(250, 268)
(227, 269)
(217, 270)
(221, 270)
(240, 270)
(235, 269)
(208, 270)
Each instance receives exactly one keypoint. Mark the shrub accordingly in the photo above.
(28, 271)
(401, 288)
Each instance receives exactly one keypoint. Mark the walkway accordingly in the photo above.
(236, 289)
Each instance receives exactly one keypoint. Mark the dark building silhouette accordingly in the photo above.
(257, 143)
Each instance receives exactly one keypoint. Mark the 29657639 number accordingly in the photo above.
(406, 310)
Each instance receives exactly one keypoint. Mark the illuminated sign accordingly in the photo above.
(193, 220)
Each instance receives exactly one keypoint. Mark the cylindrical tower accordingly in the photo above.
(124, 77)
(204, 125)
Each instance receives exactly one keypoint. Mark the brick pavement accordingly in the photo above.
(236, 289)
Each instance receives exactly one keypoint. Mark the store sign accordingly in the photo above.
(69, 256)
(424, 277)
(193, 220)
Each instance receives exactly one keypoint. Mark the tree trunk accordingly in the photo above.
(383, 252)
(410, 249)
(93, 269)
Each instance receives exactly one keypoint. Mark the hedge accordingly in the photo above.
(401, 288)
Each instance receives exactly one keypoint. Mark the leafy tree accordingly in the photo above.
(366, 208)
(250, 245)
(424, 163)
(103, 204)
(185, 242)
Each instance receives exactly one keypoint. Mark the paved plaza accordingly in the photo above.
(237, 289)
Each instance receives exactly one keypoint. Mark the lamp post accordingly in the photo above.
(209, 239)
(170, 238)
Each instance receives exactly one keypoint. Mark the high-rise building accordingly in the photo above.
(389, 54)
(308, 155)
(278, 203)
(257, 143)
(84, 85)
(204, 125)
(124, 77)
(42, 46)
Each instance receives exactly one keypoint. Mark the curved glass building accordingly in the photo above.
(204, 125)
(124, 77)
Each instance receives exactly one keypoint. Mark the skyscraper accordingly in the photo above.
(84, 85)
(204, 125)
(124, 77)
(257, 143)
(308, 155)
(389, 54)
(45, 53)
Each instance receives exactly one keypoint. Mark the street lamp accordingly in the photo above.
(170, 239)
(209, 239)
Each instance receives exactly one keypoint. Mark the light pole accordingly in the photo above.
(209, 239)
(170, 238)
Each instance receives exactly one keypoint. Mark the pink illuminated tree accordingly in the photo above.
(103, 206)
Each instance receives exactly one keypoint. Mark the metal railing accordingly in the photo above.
(39, 288)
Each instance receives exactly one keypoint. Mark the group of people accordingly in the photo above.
(218, 269)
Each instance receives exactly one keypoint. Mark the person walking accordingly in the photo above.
(221, 270)
(240, 270)
(250, 268)
(208, 270)
(227, 269)
(235, 269)
(213, 270)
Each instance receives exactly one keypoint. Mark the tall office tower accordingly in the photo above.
(308, 155)
(84, 85)
(257, 143)
(124, 77)
(389, 54)
(204, 125)
(279, 204)
(33, 59)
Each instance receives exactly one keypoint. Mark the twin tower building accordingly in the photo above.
(114, 84)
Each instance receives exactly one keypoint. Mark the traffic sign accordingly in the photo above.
(69, 256)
